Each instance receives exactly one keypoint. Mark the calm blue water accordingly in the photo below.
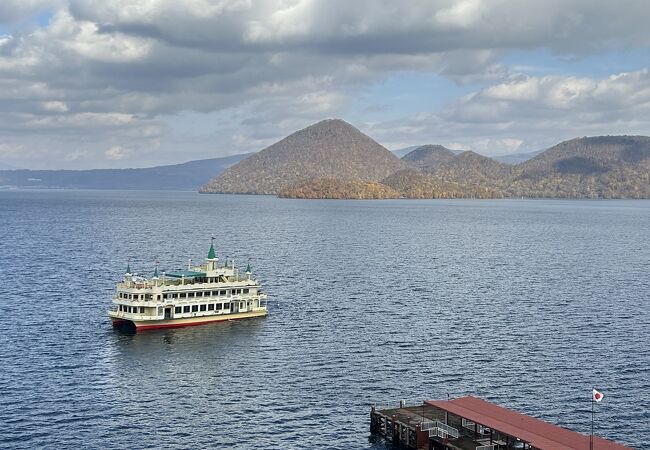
(525, 303)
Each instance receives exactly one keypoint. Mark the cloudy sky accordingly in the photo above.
(124, 83)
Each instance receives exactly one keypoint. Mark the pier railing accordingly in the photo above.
(395, 405)
(439, 429)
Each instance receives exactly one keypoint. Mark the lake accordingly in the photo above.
(527, 303)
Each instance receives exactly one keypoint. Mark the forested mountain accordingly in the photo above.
(429, 157)
(414, 183)
(593, 167)
(330, 149)
(590, 167)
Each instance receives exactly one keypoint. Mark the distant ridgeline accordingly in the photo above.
(332, 159)
(184, 177)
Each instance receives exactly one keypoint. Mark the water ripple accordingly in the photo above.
(525, 303)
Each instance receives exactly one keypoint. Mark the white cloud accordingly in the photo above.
(522, 96)
(55, 106)
(116, 152)
(105, 74)
(530, 113)
(463, 14)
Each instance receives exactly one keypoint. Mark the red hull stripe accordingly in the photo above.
(179, 325)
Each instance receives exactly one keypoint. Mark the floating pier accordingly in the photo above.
(470, 423)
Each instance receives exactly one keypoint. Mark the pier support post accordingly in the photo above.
(421, 438)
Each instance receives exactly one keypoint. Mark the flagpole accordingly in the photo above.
(591, 438)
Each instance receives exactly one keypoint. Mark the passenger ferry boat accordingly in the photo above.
(198, 295)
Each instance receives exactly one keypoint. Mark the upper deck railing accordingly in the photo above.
(172, 282)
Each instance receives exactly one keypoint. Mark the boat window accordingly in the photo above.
(182, 295)
(178, 309)
(245, 291)
(190, 294)
(219, 306)
(202, 308)
(195, 308)
(142, 310)
(222, 292)
(211, 307)
(186, 309)
(215, 293)
(174, 295)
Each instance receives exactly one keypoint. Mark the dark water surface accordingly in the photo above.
(525, 303)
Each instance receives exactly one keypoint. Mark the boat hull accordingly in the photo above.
(143, 325)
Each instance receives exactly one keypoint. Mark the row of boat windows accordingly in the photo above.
(182, 294)
(131, 309)
(197, 308)
(179, 309)
(139, 296)
(205, 293)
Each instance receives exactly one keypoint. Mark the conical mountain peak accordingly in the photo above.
(328, 149)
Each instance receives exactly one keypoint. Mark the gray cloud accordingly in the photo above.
(103, 83)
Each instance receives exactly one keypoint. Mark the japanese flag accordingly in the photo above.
(597, 396)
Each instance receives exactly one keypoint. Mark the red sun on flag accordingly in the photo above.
(597, 396)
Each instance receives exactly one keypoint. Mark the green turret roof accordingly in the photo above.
(155, 272)
(248, 268)
(128, 267)
(211, 253)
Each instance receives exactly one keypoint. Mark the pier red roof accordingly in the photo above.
(539, 434)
